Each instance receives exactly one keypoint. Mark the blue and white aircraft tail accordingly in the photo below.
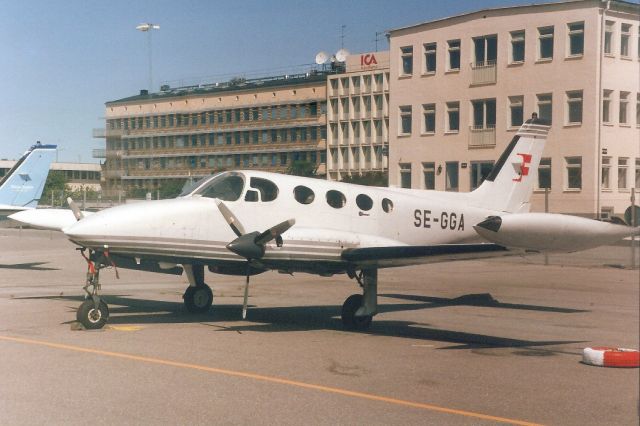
(21, 188)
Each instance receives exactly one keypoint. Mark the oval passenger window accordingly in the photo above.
(364, 202)
(387, 205)
(303, 195)
(336, 199)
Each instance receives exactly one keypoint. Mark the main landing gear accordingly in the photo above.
(358, 310)
(93, 313)
(198, 297)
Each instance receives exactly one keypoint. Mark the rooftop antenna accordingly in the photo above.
(342, 28)
(322, 58)
(378, 34)
(341, 55)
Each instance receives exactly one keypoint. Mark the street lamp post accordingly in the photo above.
(148, 28)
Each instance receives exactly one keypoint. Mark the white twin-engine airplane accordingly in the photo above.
(248, 222)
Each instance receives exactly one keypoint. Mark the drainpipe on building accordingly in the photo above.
(599, 98)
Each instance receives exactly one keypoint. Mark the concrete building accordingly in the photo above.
(78, 175)
(461, 86)
(190, 132)
(358, 116)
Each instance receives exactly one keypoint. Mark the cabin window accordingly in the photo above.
(303, 195)
(387, 205)
(226, 187)
(336, 199)
(251, 195)
(364, 202)
(267, 189)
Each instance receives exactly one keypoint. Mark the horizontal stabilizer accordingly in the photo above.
(551, 232)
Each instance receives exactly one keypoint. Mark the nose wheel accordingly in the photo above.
(93, 313)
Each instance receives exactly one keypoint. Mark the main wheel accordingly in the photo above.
(349, 318)
(90, 317)
(198, 299)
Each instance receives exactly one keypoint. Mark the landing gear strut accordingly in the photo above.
(358, 310)
(93, 313)
(198, 297)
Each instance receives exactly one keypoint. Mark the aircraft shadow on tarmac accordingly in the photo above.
(128, 310)
(32, 266)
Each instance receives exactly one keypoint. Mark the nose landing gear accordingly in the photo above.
(93, 313)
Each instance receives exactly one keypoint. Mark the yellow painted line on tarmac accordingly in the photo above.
(124, 327)
(270, 379)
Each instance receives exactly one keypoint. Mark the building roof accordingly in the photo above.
(234, 85)
(615, 4)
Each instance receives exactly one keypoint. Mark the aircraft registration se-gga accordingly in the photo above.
(248, 222)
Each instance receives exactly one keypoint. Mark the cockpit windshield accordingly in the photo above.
(190, 185)
(226, 187)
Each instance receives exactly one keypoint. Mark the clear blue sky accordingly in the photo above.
(60, 61)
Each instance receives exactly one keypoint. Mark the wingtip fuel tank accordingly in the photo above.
(551, 232)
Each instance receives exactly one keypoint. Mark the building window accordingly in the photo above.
(453, 117)
(429, 173)
(624, 104)
(545, 43)
(405, 175)
(623, 167)
(574, 107)
(454, 55)
(484, 114)
(608, 37)
(637, 173)
(574, 173)
(576, 38)
(606, 173)
(451, 176)
(407, 60)
(638, 107)
(479, 171)
(430, 58)
(545, 111)
(485, 50)
(429, 112)
(544, 173)
(516, 111)
(517, 46)
(405, 120)
(606, 106)
(625, 36)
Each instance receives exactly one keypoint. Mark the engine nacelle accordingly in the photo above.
(551, 232)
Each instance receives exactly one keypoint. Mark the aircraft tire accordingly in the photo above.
(198, 299)
(349, 318)
(90, 317)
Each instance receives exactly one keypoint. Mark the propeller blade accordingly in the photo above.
(75, 209)
(231, 219)
(274, 231)
(246, 292)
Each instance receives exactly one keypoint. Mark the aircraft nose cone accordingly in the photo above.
(492, 223)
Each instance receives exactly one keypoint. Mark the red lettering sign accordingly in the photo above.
(368, 60)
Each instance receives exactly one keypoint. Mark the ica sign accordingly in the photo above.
(368, 60)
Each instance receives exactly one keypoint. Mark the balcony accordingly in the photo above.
(482, 137)
(484, 73)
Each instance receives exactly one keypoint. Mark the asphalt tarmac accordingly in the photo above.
(475, 342)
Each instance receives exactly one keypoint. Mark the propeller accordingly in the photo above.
(250, 245)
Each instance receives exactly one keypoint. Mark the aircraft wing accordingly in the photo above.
(385, 257)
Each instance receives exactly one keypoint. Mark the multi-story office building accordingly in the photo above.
(189, 132)
(461, 86)
(358, 116)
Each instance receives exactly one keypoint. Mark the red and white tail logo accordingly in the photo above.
(523, 168)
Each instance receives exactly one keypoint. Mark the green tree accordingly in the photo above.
(302, 168)
(56, 184)
(171, 188)
(368, 178)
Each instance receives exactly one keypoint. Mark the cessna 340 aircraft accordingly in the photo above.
(248, 222)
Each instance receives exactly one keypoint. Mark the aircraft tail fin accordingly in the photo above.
(22, 186)
(509, 186)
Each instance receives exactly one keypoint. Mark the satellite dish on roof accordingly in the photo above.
(322, 58)
(341, 55)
